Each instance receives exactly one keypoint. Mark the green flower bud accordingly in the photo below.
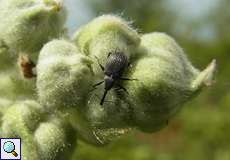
(20, 120)
(44, 136)
(103, 35)
(25, 25)
(64, 76)
(106, 34)
(116, 30)
(88, 131)
(165, 80)
(55, 140)
(14, 86)
(28, 112)
(4, 105)
(7, 60)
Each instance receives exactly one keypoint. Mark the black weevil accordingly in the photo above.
(115, 65)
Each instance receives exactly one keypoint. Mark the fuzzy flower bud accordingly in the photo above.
(165, 80)
(64, 75)
(25, 25)
(44, 136)
(14, 86)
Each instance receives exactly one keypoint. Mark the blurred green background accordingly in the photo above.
(201, 131)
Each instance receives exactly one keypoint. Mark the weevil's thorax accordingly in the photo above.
(116, 64)
(109, 82)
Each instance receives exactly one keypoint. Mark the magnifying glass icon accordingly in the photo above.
(9, 147)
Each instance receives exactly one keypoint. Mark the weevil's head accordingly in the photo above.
(109, 81)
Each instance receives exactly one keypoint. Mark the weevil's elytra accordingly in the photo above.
(115, 65)
(114, 68)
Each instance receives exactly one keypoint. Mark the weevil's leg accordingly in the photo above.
(123, 88)
(104, 101)
(109, 54)
(103, 98)
(102, 67)
(95, 86)
(127, 79)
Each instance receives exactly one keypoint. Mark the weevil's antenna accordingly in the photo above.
(98, 61)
